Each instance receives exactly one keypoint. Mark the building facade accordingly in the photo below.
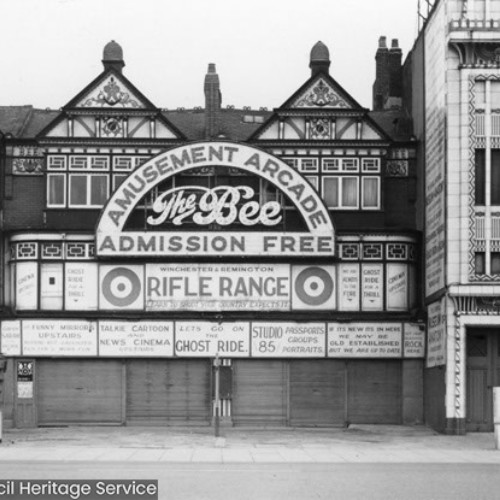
(145, 250)
(455, 80)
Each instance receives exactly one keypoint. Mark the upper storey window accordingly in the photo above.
(345, 183)
(487, 182)
(85, 181)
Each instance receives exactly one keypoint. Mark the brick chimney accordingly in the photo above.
(388, 85)
(395, 75)
(381, 84)
(213, 101)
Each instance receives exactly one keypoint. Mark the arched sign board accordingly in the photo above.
(113, 240)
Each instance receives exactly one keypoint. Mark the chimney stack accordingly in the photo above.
(213, 101)
(381, 84)
(387, 88)
(395, 70)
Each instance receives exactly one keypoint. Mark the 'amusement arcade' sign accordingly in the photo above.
(223, 205)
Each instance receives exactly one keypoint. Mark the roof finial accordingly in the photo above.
(112, 56)
(320, 58)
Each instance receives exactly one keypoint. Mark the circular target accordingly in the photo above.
(314, 286)
(121, 287)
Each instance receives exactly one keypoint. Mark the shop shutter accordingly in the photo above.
(374, 392)
(76, 391)
(161, 392)
(317, 393)
(259, 392)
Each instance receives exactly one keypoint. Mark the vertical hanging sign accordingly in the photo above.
(80, 291)
(372, 287)
(26, 285)
(397, 287)
(436, 334)
(349, 287)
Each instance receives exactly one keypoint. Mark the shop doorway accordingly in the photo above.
(483, 373)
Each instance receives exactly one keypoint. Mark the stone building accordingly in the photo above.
(452, 82)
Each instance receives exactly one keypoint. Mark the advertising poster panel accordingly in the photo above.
(206, 339)
(372, 286)
(414, 340)
(10, 339)
(121, 287)
(349, 287)
(288, 340)
(59, 338)
(313, 288)
(217, 287)
(136, 338)
(365, 340)
(436, 334)
(397, 287)
(435, 140)
(80, 286)
(26, 285)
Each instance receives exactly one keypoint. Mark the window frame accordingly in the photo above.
(378, 181)
(88, 186)
(62, 175)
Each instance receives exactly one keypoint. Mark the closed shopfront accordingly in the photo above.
(317, 392)
(260, 392)
(169, 391)
(74, 391)
(374, 392)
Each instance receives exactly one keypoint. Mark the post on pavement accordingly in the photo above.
(496, 415)
(3, 368)
(217, 395)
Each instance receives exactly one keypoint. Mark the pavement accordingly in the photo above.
(355, 444)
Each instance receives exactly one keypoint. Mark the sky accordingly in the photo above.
(51, 49)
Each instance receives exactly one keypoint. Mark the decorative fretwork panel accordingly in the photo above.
(52, 250)
(56, 162)
(26, 250)
(76, 250)
(397, 251)
(350, 251)
(377, 251)
(373, 251)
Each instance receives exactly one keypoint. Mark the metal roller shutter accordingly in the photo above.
(259, 395)
(163, 392)
(317, 393)
(374, 392)
(76, 391)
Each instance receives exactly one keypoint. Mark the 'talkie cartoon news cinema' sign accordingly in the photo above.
(224, 205)
(205, 339)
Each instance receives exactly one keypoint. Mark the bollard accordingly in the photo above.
(496, 415)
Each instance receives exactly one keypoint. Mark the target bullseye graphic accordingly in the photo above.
(121, 287)
(314, 286)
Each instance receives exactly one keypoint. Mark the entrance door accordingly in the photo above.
(483, 373)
